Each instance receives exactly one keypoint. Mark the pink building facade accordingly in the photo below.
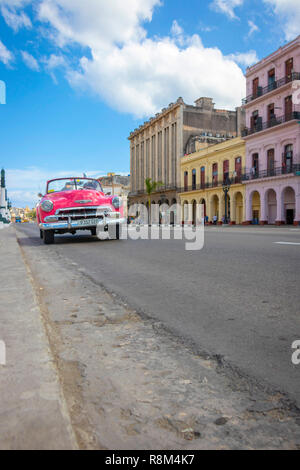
(272, 137)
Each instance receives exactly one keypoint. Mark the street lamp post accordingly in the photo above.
(226, 188)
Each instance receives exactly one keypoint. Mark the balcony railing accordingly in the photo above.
(289, 169)
(275, 121)
(261, 91)
(234, 179)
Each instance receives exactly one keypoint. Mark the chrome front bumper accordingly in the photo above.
(75, 225)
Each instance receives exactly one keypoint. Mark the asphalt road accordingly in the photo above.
(238, 297)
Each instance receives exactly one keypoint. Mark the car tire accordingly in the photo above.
(94, 231)
(48, 237)
(41, 234)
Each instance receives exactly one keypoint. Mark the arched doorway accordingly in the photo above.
(289, 201)
(203, 202)
(173, 213)
(185, 212)
(214, 206)
(256, 210)
(271, 202)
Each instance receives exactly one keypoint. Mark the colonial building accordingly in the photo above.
(4, 204)
(157, 146)
(205, 173)
(272, 138)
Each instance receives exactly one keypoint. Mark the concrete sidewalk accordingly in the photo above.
(33, 414)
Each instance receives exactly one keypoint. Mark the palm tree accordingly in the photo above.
(151, 187)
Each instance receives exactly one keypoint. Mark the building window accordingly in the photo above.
(271, 80)
(288, 107)
(202, 177)
(238, 170)
(287, 159)
(271, 114)
(255, 165)
(271, 162)
(256, 122)
(186, 181)
(225, 171)
(289, 65)
(255, 88)
(194, 179)
(215, 174)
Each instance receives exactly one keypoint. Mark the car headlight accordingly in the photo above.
(117, 202)
(47, 205)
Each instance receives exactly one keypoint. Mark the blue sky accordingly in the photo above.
(80, 75)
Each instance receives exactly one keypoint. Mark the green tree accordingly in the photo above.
(32, 214)
(151, 187)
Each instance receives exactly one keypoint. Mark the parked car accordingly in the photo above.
(72, 204)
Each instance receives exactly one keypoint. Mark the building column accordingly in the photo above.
(248, 209)
(280, 219)
(297, 215)
(263, 209)
(233, 209)
(221, 208)
(244, 209)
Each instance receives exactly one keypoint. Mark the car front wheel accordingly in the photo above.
(48, 237)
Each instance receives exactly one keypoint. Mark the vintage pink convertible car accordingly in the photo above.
(72, 204)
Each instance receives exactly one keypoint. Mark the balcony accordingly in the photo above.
(293, 169)
(275, 121)
(234, 179)
(261, 91)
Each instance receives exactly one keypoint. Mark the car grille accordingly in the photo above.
(76, 213)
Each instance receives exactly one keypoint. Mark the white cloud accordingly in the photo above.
(14, 20)
(55, 61)
(244, 58)
(288, 12)
(176, 30)
(131, 72)
(6, 57)
(96, 23)
(30, 61)
(227, 7)
(253, 28)
(142, 77)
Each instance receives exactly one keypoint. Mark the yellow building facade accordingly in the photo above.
(203, 174)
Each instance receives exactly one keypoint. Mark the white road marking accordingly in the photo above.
(287, 243)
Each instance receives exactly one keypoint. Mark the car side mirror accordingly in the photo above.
(40, 195)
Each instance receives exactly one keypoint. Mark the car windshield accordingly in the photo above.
(70, 184)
